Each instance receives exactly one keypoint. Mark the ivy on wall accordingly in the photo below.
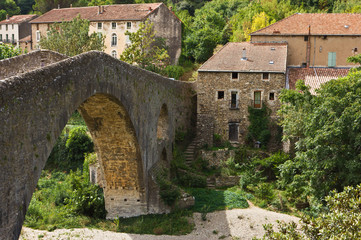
(258, 129)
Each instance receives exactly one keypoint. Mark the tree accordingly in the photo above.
(145, 50)
(44, 6)
(72, 38)
(8, 7)
(8, 51)
(327, 127)
(26, 6)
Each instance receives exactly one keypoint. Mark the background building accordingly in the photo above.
(114, 20)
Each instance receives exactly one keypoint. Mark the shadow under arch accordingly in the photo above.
(163, 123)
(118, 154)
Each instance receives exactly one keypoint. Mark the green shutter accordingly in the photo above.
(332, 59)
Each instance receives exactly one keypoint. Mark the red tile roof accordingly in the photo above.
(314, 77)
(260, 57)
(18, 19)
(26, 39)
(320, 23)
(111, 12)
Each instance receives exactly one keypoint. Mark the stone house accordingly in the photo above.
(236, 77)
(112, 21)
(15, 28)
(316, 39)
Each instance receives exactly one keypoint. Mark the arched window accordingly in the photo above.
(114, 53)
(114, 39)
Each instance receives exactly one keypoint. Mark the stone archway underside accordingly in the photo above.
(119, 155)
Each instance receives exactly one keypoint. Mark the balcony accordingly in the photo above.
(9, 41)
(257, 103)
(234, 105)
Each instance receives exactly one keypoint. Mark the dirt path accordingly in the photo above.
(230, 224)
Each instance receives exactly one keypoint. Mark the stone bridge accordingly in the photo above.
(132, 115)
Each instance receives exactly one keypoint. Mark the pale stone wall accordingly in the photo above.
(217, 112)
(12, 29)
(320, 47)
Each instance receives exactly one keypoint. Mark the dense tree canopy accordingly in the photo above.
(8, 7)
(8, 51)
(72, 38)
(327, 127)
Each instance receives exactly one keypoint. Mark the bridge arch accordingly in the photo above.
(111, 95)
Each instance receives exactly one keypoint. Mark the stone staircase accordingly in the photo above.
(191, 151)
(211, 183)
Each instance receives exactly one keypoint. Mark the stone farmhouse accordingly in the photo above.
(309, 46)
(16, 29)
(238, 76)
(112, 21)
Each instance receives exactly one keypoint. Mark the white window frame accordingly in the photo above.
(114, 54)
(129, 25)
(101, 26)
(112, 42)
(115, 25)
(127, 40)
(38, 36)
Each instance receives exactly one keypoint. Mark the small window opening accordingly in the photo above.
(129, 25)
(273, 49)
(271, 96)
(234, 75)
(234, 97)
(99, 25)
(220, 94)
(257, 99)
(271, 62)
(305, 38)
(265, 76)
(114, 25)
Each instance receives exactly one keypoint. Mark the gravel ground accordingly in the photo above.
(229, 224)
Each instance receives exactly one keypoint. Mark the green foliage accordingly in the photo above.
(145, 50)
(190, 179)
(258, 129)
(265, 191)
(77, 144)
(168, 192)
(8, 7)
(43, 6)
(341, 221)
(175, 223)
(8, 51)
(76, 119)
(174, 71)
(328, 129)
(72, 38)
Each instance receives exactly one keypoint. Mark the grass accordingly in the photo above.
(176, 223)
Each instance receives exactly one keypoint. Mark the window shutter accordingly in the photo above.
(332, 59)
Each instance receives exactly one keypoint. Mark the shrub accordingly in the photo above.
(265, 191)
(174, 71)
(235, 200)
(188, 179)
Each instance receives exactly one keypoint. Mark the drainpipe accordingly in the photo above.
(308, 51)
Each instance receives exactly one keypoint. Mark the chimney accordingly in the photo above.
(102, 9)
(71, 5)
(7, 16)
(99, 9)
(244, 54)
(58, 6)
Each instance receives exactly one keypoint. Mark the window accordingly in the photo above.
(332, 59)
(114, 39)
(271, 96)
(305, 38)
(13, 38)
(234, 76)
(220, 95)
(38, 36)
(127, 40)
(114, 54)
(114, 25)
(0, 27)
(12, 26)
(100, 25)
(265, 76)
(100, 35)
(6, 26)
(257, 99)
(1, 37)
(234, 100)
(233, 131)
(7, 38)
(129, 25)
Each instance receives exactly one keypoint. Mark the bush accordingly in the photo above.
(174, 71)
(188, 179)
(265, 191)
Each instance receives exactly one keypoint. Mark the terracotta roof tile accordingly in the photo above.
(321, 24)
(26, 39)
(314, 77)
(111, 12)
(265, 57)
(18, 19)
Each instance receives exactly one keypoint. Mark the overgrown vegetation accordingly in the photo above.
(8, 51)
(258, 129)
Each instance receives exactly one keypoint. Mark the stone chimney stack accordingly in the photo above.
(99, 9)
(244, 54)
(7, 16)
(102, 9)
(58, 6)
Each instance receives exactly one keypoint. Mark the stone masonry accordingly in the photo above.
(121, 105)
